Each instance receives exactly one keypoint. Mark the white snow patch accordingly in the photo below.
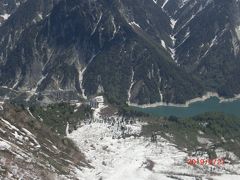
(187, 23)
(28, 110)
(115, 28)
(40, 16)
(4, 146)
(2, 131)
(160, 94)
(173, 54)
(226, 177)
(28, 133)
(16, 83)
(100, 89)
(237, 29)
(203, 140)
(41, 119)
(131, 86)
(5, 16)
(96, 25)
(163, 44)
(33, 91)
(1, 105)
(78, 104)
(18, 136)
(159, 90)
(214, 42)
(173, 23)
(9, 125)
(187, 35)
(133, 23)
(164, 4)
(67, 129)
(80, 77)
(183, 3)
(172, 49)
(222, 153)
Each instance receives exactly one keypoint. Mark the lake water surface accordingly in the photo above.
(210, 105)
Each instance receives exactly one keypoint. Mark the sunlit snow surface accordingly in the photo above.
(117, 159)
(5, 16)
(135, 157)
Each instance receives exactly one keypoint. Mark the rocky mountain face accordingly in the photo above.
(7, 7)
(207, 41)
(141, 51)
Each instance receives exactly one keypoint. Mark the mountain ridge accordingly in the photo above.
(139, 52)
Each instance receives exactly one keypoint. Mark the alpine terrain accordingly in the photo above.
(72, 70)
(140, 52)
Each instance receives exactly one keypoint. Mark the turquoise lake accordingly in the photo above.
(210, 105)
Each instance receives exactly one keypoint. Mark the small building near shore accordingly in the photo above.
(97, 101)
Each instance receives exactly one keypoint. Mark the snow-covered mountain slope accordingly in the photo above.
(138, 158)
(30, 150)
(118, 150)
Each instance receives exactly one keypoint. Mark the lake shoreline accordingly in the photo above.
(205, 97)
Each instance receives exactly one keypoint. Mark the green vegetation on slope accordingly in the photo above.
(56, 116)
(218, 129)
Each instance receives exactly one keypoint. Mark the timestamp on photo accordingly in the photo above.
(202, 161)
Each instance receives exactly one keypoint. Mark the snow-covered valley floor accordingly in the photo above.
(130, 158)
(136, 157)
